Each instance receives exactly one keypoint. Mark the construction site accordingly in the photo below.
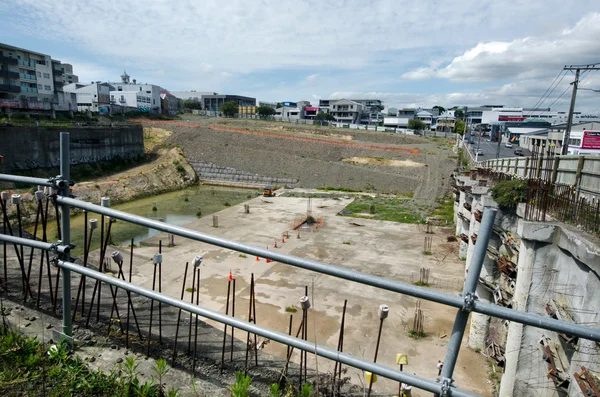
(306, 283)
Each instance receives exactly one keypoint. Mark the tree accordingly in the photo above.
(459, 114)
(229, 108)
(459, 126)
(323, 116)
(441, 109)
(265, 111)
(278, 105)
(191, 104)
(416, 124)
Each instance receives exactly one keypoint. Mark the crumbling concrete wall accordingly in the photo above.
(556, 265)
(26, 148)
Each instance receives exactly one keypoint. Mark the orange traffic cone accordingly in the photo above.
(275, 245)
(257, 259)
(283, 239)
(269, 260)
(230, 276)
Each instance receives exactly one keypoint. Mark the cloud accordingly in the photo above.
(310, 80)
(521, 58)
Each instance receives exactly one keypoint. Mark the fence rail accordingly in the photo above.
(465, 304)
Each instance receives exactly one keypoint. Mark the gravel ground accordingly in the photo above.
(320, 164)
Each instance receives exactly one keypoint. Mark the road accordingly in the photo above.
(490, 149)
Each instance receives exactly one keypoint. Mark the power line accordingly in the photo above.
(563, 72)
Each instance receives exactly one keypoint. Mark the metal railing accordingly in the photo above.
(465, 304)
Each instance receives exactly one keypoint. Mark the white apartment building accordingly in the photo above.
(138, 101)
(152, 90)
(346, 111)
(94, 97)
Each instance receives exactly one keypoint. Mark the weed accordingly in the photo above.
(275, 390)
(291, 309)
(346, 242)
(395, 209)
(226, 204)
(306, 390)
(241, 385)
(191, 289)
(242, 255)
(160, 369)
(422, 284)
(186, 199)
(338, 189)
(427, 253)
(416, 335)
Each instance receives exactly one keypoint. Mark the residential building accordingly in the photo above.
(94, 97)
(311, 112)
(31, 80)
(67, 74)
(130, 101)
(347, 111)
(128, 84)
(370, 111)
(445, 122)
(425, 117)
(213, 102)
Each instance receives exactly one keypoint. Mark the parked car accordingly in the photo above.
(479, 152)
(508, 145)
(519, 152)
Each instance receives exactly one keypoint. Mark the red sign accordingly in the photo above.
(511, 118)
(10, 103)
(591, 140)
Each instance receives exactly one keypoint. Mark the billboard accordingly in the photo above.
(591, 140)
(10, 103)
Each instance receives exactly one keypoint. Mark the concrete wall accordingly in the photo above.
(38, 147)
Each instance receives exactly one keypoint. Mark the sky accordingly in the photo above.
(406, 53)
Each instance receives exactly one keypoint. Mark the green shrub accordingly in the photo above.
(510, 193)
(241, 385)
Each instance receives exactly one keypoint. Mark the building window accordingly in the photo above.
(39, 86)
(154, 101)
(39, 74)
(46, 75)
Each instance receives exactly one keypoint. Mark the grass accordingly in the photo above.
(291, 309)
(445, 210)
(190, 289)
(422, 284)
(395, 209)
(427, 253)
(242, 255)
(30, 367)
(416, 335)
(338, 189)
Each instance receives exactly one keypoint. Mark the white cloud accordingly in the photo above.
(310, 80)
(533, 56)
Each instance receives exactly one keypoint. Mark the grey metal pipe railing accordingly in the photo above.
(535, 320)
(26, 179)
(65, 218)
(61, 249)
(344, 358)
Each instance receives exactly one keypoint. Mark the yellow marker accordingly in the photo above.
(368, 377)
(401, 359)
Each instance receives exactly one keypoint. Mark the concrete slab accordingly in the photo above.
(387, 249)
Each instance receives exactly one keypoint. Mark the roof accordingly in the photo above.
(528, 131)
(446, 116)
(424, 113)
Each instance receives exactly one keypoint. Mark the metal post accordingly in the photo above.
(65, 173)
(566, 135)
(462, 316)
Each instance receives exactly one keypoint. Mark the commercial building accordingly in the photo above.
(213, 102)
(170, 105)
(191, 95)
(549, 140)
(94, 97)
(153, 90)
(31, 80)
(130, 101)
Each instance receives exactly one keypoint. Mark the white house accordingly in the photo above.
(152, 90)
(138, 101)
(346, 111)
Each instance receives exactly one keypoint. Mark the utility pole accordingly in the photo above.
(567, 134)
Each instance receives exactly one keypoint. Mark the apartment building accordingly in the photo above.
(31, 80)
(354, 111)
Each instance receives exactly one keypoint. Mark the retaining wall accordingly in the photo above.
(26, 148)
(214, 173)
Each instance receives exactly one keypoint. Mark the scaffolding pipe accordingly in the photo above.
(456, 301)
(65, 209)
(344, 358)
(36, 244)
(27, 179)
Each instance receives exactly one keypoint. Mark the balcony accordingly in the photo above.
(28, 76)
(8, 60)
(29, 89)
(9, 74)
(9, 88)
(27, 64)
(57, 72)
